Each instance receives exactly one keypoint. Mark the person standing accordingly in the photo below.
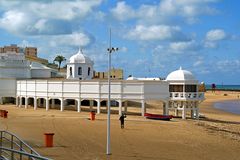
(122, 120)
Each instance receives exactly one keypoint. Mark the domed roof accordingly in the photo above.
(79, 57)
(180, 75)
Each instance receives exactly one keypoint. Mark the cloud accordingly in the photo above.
(216, 35)
(45, 17)
(123, 11)
(156, 32)
(228, 65)
(164, 11)
(75, 40)
(187, 46)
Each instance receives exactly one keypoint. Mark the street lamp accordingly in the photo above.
(110, 51)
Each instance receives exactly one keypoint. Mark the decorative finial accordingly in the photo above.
(180, 68)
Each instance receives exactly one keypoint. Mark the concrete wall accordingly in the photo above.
(120, 90)
(40, 73)
(7, 87)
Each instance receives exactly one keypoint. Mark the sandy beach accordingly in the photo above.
(76, 137)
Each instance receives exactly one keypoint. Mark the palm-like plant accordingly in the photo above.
(59, 59)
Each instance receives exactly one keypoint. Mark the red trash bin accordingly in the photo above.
(1, 112)
(49, 139)
(92, 115)
(5, 114)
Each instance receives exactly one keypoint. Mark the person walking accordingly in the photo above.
(122, 120)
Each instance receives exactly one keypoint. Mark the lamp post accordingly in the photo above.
(110, 51)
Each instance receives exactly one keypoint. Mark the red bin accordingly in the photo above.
(49, 139)
(1, 112)
(92, 115)
(5, 114)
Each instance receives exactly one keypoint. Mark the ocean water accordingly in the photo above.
(224, 87)
(229, 106)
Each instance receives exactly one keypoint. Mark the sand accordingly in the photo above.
(76, 137)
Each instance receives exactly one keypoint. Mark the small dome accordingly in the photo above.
(180, 75)
(79, 57)
(132, 78)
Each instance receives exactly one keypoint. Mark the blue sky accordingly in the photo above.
(155, 37)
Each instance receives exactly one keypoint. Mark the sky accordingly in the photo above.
(154, 37)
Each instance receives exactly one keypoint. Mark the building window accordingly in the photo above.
(79, 70)
(89, 69)
(70, 69)
(190, 88)
(175, 88)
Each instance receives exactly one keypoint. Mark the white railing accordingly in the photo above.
(187, 95)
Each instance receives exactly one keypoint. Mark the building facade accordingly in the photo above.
(80, 67)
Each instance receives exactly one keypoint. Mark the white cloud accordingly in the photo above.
(228, 65)
(74, 39)
(166, 10)
(44, 17)
(155, 32)
(123, 11)
(14, 20)
(187, 46)
(216, 35)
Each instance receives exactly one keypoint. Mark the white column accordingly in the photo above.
(98, 106)
(197, 113)
(120, 108)
(26, 102)
(47, 104)
(53, 103)
(35, 103)
(176, 112)
(79, 105)
(125, 106)
(192, 112)
(17, 103)
(166, 111)
(62, 104)
(184, 112)
(20, 105)
(143, 107)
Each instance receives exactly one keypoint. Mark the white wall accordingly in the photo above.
(120, 90)
(7, 87)
(40, 73)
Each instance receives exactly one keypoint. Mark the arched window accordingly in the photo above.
(89, 69)
(79, 70)
(70, 69)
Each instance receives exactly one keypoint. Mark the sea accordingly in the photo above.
(224, 87)
(229, 106)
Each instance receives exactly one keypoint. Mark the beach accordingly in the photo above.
(76, 137)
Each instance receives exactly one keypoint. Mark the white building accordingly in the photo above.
(80, 67)
(184, 95)
(14, 65)
(179, 92)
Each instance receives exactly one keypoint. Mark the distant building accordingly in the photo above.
(31, 54)
(11, 48)
(30, 51)
(115, 74)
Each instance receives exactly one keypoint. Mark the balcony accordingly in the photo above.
(187, 95)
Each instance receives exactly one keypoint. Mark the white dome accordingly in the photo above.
(180, 75)
(132, 78)
(80, 58)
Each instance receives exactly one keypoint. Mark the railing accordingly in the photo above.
(187, 95)
(12, 147)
